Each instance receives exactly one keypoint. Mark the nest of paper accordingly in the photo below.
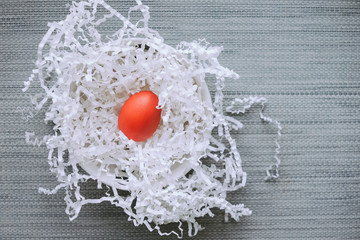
(94, 74)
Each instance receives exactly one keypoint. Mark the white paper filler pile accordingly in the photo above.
(87, 76)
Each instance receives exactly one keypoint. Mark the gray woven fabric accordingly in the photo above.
(304, 56)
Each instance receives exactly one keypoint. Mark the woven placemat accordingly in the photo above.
(303, 56)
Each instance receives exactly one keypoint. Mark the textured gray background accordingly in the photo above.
(302, 55)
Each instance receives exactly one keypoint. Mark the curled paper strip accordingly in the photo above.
(165, 178)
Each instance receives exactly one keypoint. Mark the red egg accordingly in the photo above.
(139, 117)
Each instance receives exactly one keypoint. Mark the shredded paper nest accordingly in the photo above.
(87, 76)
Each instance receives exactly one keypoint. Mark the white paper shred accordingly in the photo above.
(86, 77)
